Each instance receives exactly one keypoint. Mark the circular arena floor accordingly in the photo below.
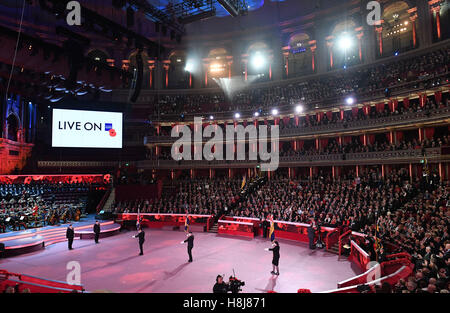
(114, 264)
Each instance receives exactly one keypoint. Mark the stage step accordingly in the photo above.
(214, 228)
(334, 248)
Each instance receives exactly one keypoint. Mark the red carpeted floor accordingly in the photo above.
(115, 265)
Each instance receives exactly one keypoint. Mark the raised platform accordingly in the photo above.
(106, 230)
(20, 242)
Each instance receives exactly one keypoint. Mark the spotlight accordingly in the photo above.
(298, 109)
(345, 42)
(274, 112)
(350, 100)
(256, 114)
(237, 115)
(258, 60)
(189, 66)
(211, 117)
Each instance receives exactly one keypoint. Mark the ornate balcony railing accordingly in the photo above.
(379, 157)
(411, 118)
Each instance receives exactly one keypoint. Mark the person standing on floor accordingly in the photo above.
(190, 242)
(141, 236)
(311, 235)
(276, 257)
(96, 231)
(70, 234)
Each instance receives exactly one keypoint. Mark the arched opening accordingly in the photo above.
(133, 64)
(300, 56)
(178, 76)
(397, 32)
(217, 66)
(345, 45)
(258, 61)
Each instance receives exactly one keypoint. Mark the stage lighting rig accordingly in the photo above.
(193, 10)
(158, 16)
(234, 7)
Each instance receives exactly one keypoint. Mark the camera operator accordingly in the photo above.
(220, 286)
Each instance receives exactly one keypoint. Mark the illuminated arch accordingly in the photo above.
(257, 46)
(217, 52)
(397, 30)
(346, 26)
(298, 38)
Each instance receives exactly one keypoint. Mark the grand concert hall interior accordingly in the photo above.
(229, 146)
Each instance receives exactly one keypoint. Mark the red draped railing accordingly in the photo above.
(331, 238)
(158, 220)
(35, 284)
(359, 256)
(228, 227)
(342, 239)
(103, 200)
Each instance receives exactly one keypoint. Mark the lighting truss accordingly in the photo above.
(234, 7)
(156, 15)
(193, 10)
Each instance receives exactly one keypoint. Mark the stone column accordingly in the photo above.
(424, 23)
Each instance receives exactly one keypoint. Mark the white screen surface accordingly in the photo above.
(86, 129)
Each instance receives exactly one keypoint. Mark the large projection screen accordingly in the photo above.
(86, 129)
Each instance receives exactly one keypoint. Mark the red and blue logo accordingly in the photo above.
(109, 128)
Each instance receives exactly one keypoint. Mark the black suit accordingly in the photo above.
(265, 226)
(70, 233)
(276, 255)
(141, 237)
(96, 232)
(190, 241)
(311, 235)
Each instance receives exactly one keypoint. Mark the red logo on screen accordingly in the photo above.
(112, 132)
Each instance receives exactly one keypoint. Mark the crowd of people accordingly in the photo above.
(370, 81)
(411, 213)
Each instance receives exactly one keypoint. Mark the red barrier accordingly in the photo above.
(359, 256)
(342, 239)
(331, 238)
(157, 220)
(297, 231)
(258, 231)
(372, 273)
(234, 228)
(80, 178)
(35, 284)
(103, 200)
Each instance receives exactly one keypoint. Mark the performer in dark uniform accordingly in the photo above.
(70, 233)
(265, 227)
(190, 241)
(311, 235)
(97, 231)
(276, 257)
(220, 286)
(141, 236)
